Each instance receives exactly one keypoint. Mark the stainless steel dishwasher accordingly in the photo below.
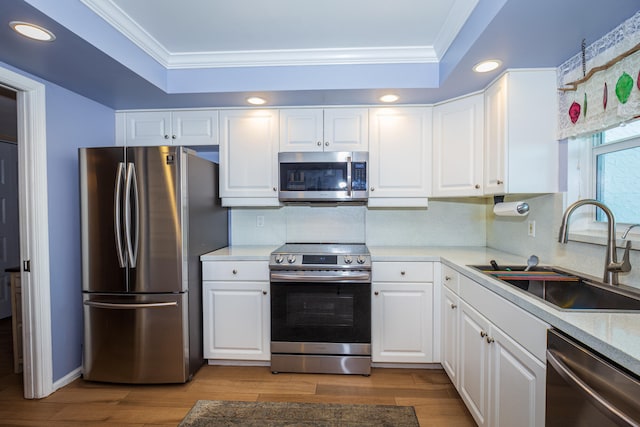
(585, 389)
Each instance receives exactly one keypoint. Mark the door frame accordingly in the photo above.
(34, 234)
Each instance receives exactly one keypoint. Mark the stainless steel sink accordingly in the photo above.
(565, 290)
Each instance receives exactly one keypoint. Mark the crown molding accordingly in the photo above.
(291, 57)
(118, 19)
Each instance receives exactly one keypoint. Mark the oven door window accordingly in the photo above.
(313, 176)
(339, 313)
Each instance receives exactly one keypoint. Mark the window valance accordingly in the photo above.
(600, 86)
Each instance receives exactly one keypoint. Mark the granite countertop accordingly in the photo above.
(616, 335)
(240, 253)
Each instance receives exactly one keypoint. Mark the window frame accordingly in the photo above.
(582, 184)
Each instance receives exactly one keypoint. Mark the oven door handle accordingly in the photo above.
(599, 401)
(305, 277)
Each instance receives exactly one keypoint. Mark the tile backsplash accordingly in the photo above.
(447, 222)
(444, 223)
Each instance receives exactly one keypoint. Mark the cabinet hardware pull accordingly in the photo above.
(373, 189)
(483, 334)
(275, 189)
(235, 271)
(166, 137)
(499, 182)
(477, 186)
(490, 340)
(264, 292)
(326, 144)
(402, 273)
(447, 278)
(454, 306)
(319, 143)
(376, 293)
(173, 137)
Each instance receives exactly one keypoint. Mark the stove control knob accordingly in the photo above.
(291, 259)
(279, 259)
(361, 260)
(348, 259)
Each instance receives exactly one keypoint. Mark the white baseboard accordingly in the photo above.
(67, 379)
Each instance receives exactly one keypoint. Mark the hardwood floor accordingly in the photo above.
(84, 403)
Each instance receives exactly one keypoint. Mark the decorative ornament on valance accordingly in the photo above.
(600, 87)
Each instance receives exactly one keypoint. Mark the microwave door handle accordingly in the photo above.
(596, 399)
(349, 173)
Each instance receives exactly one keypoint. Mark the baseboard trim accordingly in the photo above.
(67, 379)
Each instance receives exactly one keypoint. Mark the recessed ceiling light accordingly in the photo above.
(32, 31)
(256, 100)
(389, 98)
(486, 66)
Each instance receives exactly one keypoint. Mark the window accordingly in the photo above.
(616, 165)
(606, 167)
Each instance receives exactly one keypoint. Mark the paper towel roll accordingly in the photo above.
(511, 209)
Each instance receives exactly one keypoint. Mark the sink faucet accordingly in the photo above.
(611, 266)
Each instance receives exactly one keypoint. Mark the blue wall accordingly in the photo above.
(72, 122)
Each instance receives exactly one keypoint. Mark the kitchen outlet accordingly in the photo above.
(260, 221)
(532, 228)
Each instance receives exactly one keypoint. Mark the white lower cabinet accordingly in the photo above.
(450, 326)
(402, 312)
(501, 381)
(236, 311)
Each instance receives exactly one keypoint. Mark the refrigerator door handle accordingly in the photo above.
(132, 244)
(117, 223)
(117, 306)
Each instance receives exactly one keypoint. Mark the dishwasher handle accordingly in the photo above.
(596, 399)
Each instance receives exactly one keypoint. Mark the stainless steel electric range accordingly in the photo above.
(321, 308)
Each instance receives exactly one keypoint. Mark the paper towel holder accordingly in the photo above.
(518, 208)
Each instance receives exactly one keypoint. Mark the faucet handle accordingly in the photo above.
(625, 265)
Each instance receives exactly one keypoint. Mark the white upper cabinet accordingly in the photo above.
(180, 127)
(400, 156)
(458, 134)
(249, 157)
(331, 129)
(521, 150)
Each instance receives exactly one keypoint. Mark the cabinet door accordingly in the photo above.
(517, 384)
(197, 127)
(248, 157)
(346, 129)
(301, 130)
(495, 137)
(402, 322)
(236, 320)
(474, 363)
(458, 134)
(400, 155)
(450, 322)
(147, 128)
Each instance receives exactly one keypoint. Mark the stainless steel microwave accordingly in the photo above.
(323, 176)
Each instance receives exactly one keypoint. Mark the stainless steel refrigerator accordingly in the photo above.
(147, 213)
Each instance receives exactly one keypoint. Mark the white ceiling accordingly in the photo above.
(143, 54)
(223, 33)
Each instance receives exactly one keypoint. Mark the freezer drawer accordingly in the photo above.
(136, 338)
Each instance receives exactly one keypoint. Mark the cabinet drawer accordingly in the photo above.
(402, 271)
(235, 270)
(451, 278)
